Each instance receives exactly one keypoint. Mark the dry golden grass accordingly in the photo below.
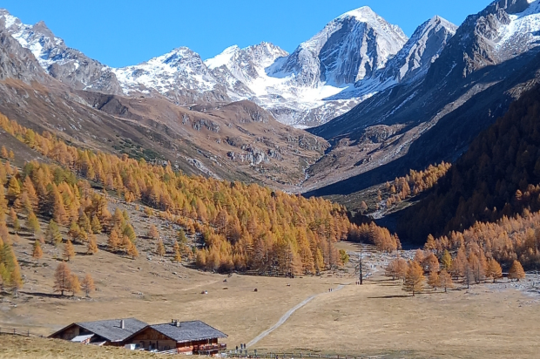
(38, 348)
(374, 319)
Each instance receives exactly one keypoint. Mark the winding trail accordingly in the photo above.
(287, 315)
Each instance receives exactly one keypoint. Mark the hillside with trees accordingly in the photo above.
(498, 176)
(241, 227)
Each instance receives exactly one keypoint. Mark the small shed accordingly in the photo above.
(103, 332)
(192, 337)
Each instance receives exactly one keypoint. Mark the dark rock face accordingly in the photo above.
(17, 62)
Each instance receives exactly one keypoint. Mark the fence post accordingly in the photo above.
(14, 331)
(28, 334)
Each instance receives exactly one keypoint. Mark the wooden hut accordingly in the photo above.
(193, 337)
(104, 332)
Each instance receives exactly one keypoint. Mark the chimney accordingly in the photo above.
(178, 323)
(122, 325)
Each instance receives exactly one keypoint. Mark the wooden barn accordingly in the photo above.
(103, 332)
(194, 337)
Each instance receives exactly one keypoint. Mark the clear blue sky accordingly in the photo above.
(122, 32)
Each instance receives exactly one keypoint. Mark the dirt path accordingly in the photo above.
(287, 315)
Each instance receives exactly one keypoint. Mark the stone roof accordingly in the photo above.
(188, 331)
(110, 330)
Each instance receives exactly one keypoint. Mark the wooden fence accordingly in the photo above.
(254, 354)
(19, 332)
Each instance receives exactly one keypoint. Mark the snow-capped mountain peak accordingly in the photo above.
(349, 48)
(364, 13)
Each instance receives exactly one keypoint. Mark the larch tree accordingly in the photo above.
(434, 280)
(431, 263)
(62, 279)
(4, 153)
(92, 247)
(392, 269)
(494, 270)
(14, 220)
(181, 236)
(468, 275)
(160, 248)
(14, 189)
(516, 271)
(87, 285)
(446, 260)
(177, 255)
(31, 194)
(132, 251)
(37, 252)
(419, 256)
(53, 235)
(69, 251)
(460, 263)
(96, 225)
(114, 241)
(74, 285)
(402, 268)
(32, 223)
(15, 280)
(445, 280)
(414, 280)
(153, 232)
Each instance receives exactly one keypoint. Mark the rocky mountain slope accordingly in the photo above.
(488, 63)
(235, 141)
(323, 78)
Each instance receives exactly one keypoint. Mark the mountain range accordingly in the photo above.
(374, 102)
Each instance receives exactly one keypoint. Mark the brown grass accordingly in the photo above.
(37, 348)
(374, 319)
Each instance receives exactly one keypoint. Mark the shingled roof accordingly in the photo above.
(110, 330)
(188, 331)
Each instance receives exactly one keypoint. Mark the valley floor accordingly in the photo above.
(378, 318)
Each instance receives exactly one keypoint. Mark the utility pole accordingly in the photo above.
(361, 274)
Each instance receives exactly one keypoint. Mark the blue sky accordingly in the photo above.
(122, 32)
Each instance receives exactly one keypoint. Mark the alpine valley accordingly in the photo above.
(358, 104)
(368, 195)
